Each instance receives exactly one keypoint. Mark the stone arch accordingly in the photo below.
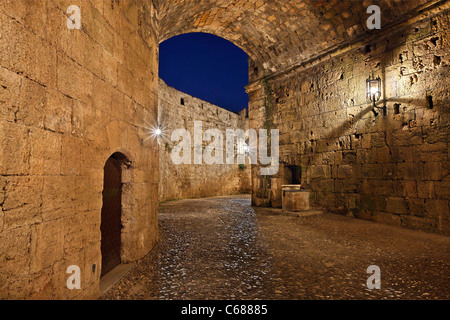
(278, 35)
(112, 213)
(138, 208)
(128, 203)
(124, 156)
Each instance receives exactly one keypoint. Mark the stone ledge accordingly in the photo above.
(113, 277)
(301, 214)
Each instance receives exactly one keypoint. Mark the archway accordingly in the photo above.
(111, 216)
(208, 74)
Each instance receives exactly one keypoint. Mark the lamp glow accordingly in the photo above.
(373, 89)
(374, 93)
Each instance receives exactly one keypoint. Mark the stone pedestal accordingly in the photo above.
(295, 199)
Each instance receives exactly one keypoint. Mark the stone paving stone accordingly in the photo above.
(222, 248)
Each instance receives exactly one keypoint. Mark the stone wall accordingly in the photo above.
(390, 168)
(195, 181)
(69, 99)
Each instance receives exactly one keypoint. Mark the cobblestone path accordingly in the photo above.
(222, 248)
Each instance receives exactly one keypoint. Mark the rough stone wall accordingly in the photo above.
(195, 181)
(69, 99)
(392, 169)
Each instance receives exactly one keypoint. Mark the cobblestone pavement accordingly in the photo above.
(222, 248)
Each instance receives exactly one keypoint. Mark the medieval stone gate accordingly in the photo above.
(70, 98)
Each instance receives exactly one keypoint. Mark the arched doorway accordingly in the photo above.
(111, 219)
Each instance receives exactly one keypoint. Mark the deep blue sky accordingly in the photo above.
(207, 67)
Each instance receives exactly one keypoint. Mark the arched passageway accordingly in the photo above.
(309, 65)
(111, 219)
(208, 75)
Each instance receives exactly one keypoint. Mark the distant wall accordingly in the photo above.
(192, 181)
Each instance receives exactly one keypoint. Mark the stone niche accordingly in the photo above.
(293, 174)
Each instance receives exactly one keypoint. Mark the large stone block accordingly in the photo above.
(295, 200)
(15, 152)
(387, 218)
(71, 155)
(22, 201)
(32, 103)
(420, 223)
(442, 189)
(397, 205)
(58, 112)
(45, 153)
(14, 256)
(46, 248)
(373, 203)
(346, 172)
(73, 80)
(436, 152)
(410, 171)
(405, 137)
(433, 171)
(371, 171)
(10, 83)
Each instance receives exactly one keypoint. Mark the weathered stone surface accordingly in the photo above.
(275, 34)
(296, 200)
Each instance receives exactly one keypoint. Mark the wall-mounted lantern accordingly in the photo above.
(373, 91)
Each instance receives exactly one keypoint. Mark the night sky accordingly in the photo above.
(207, 67)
